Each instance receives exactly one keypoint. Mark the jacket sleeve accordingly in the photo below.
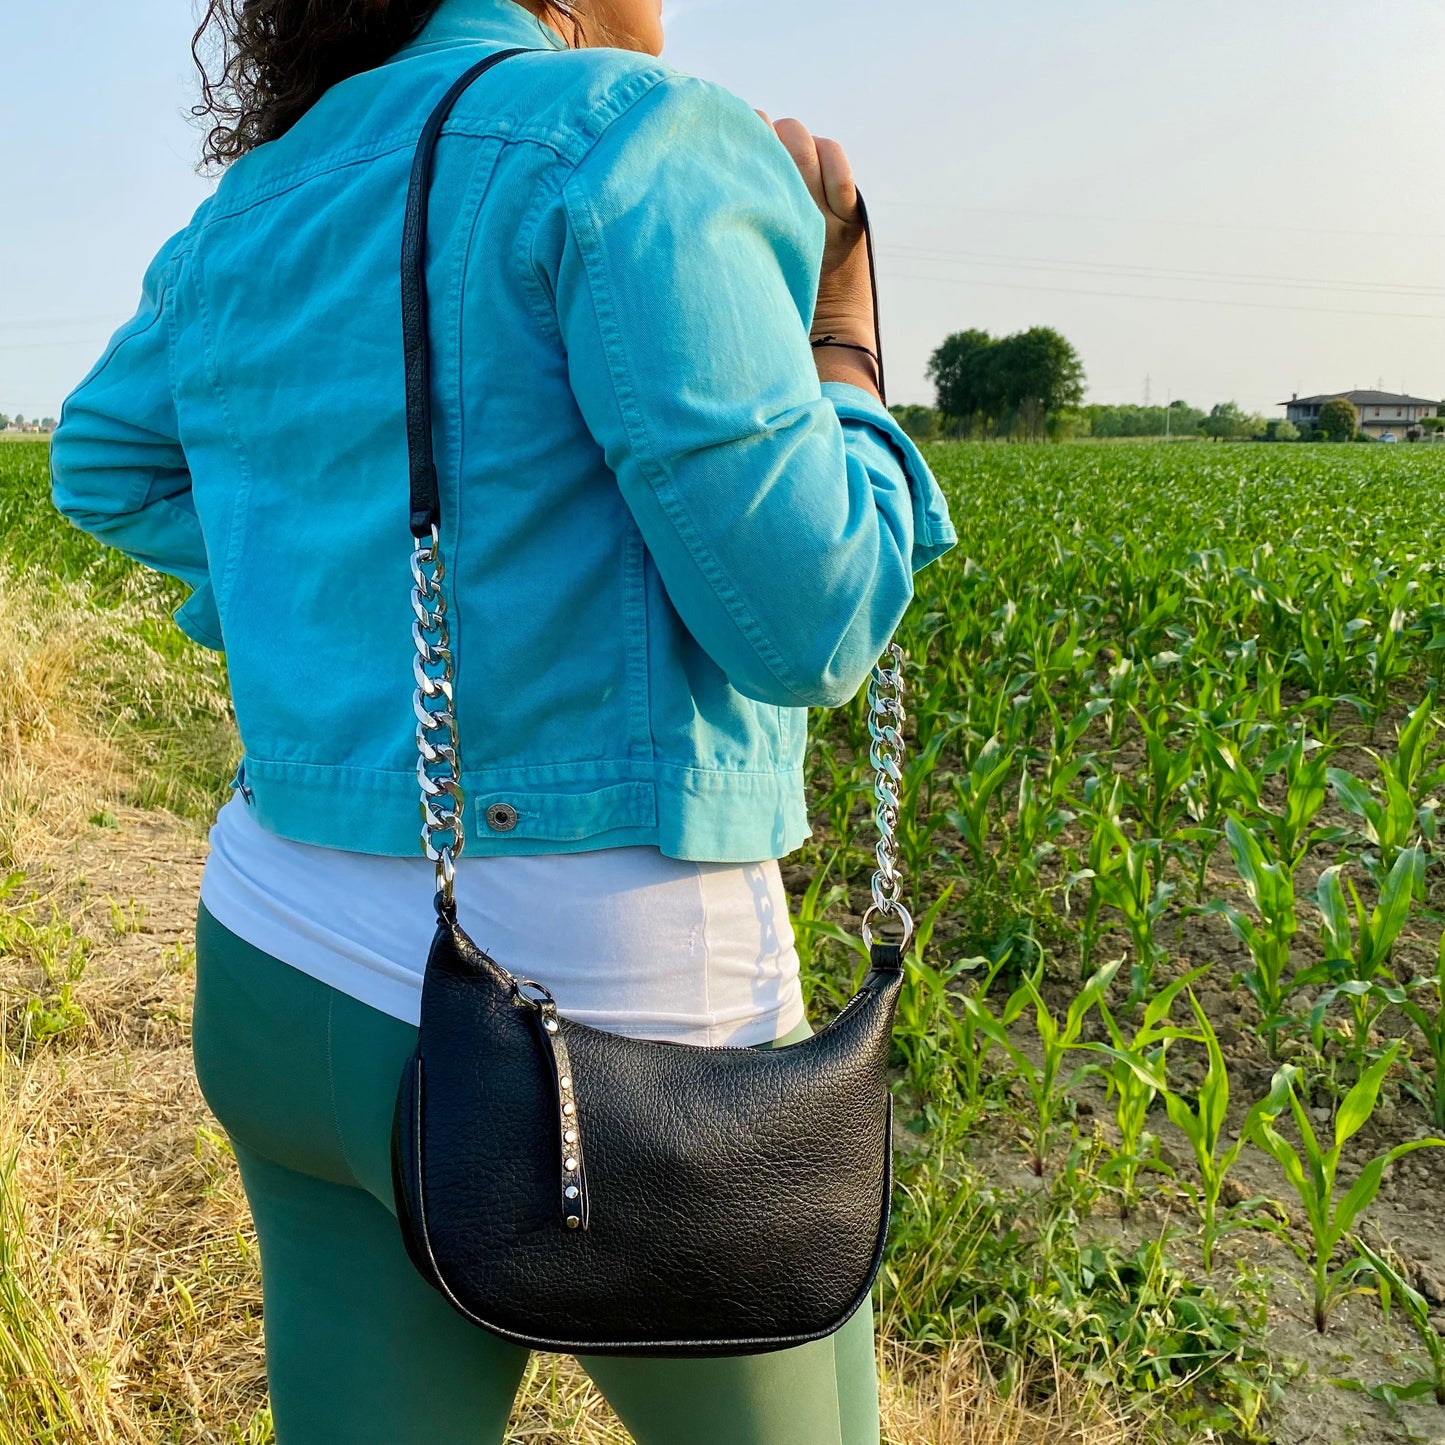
(117, 469)
(785, 518)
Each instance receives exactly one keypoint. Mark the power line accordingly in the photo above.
(1159, 221)
(1168, 273)
(1187, 300)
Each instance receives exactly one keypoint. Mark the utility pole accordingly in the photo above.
(1168, 412)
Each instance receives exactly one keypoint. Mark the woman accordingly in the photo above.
(670, 526)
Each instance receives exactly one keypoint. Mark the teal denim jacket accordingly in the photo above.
(664, 539)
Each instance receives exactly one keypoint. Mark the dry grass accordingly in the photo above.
(92, 702)
(51, 757)
(134, 1309)
(949, 1398)
(928, 1398)
(129, 1281)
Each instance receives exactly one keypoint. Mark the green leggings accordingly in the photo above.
(359, 1349)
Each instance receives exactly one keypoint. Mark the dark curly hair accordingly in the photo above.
(265, 63)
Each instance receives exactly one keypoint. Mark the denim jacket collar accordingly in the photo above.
(499, 22)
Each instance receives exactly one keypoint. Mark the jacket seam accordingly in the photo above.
(405, 138)
(653, 764)
(624, 391)
(858, 415)
(298, 176)
(479, 183)
(200, 634)
(241, 502)
(140, 488)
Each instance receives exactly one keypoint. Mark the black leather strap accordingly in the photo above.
(421, 457)
(886, 957)
(425, 495)
(873, 286)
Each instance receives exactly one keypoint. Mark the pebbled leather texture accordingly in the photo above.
(738, 1198)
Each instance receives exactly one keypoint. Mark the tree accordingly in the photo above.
(962, 374)
(920, 422)
(1179, 419)
(1227, 422)
(1012, 382)
(1337, 420)
(1040, 373)
(47, 423)
(1281, 431)
(1065, 426)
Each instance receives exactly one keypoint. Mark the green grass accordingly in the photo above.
(95, 678)
(1154, 694)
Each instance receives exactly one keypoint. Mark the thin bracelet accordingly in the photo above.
(850, 345)
(854, 346)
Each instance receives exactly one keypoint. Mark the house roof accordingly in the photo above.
(1361, 398)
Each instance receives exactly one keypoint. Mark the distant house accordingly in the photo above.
(1376, 412)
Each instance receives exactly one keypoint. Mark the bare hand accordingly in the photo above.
(845, 293)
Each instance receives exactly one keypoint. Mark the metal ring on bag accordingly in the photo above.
(906, 924)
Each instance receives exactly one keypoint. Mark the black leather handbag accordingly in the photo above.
(576, 1190)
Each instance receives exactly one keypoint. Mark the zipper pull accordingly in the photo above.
(575, 1207)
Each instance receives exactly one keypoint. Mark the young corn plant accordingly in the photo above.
(1103, 861)
(1226, 777)
(1430, 1022)
(975, 795)
(973, 1044)
(808, 916)
(1390, 1284)
(1270, 886)
(1132, 882)
(1357, 951)
(1387, 823)
(1304, 764)
(1046, 1084)
(837, 780)
(1417, 762)
(918, 819)
(1390, 660)
(1326, 652)
(927, 1030)
(1135, 1072)
(1039, 817)
(1331, 1215)
(1202, 1124)
(1160, 800)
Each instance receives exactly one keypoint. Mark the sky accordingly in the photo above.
(1233, 201)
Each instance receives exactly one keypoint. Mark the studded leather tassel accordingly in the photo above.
(569, 1124)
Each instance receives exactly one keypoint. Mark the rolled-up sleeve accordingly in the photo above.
(786, 518)
(117, 469)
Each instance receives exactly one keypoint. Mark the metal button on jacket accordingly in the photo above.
(502, 817)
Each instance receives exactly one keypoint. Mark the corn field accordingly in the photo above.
(1170, 1061)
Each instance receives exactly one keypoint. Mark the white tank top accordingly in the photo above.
(627, 939)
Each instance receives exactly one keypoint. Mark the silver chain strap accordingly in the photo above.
(885, 727)
(438, 768)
